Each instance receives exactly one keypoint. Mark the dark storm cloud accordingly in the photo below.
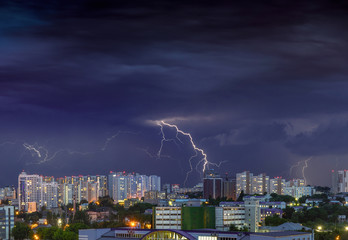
(328, 139)
(252, 81)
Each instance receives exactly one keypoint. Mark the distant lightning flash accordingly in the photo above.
(6, 143)
(43, 154)
(196, 149)
(303, 164)
(304, 168)
(109, 139)
(294, 166)
(33, 148)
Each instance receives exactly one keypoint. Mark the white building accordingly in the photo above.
(277, 185)
(168, 218)
(155, 183)
(243, 182)
(298, 192)
(29, 190)
(34, 192)
(260, 184)
(126, 186)
(50, 195)
(252, 214)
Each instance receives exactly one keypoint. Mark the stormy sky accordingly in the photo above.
(259, 86)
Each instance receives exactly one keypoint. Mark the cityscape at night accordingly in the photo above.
(168, 119)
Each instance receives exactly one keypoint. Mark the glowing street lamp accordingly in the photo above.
(319, 228)
(346, 228)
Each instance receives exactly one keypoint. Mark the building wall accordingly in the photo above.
(6, 221)
(198, 218)
(212, 188)
(252, 214)
(229, 189)
(167, 218)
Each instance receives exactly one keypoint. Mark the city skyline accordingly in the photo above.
(90, 86)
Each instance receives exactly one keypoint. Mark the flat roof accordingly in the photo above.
(281, 234)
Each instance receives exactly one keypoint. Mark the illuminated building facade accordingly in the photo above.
(50, 194)
(243, 182)
(6, 221)
(155, 183)
(260, 184)
(29, 190)
(132, 185)
(277, 185)
(298, 192)
(8, 193)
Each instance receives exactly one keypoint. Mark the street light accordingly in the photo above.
(319, 228)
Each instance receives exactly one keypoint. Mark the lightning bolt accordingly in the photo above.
(43, 154)
(6, 143)
(304, 168)
(294, 166)
(109, 139)
(303, 164)
(198, 151)
(33, 149)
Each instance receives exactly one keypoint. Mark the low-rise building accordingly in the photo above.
(268, 212)
(150, 234)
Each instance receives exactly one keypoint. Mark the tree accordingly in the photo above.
(75, 227)
(21, 231)
(274, 220)
(281, 198)
(140, 207)
(234, 228)
(92, 206)
(287, 212)
(81, 217)
(83, 201)
(47, 233)
(106, 201)
(241, 196)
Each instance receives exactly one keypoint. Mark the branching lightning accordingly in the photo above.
(198, 151)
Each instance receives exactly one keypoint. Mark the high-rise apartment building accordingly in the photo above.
(277, 185)
(50, 194)
(212, 186)
(155, 183)
(243, 182)
(133, 185)
(229, 189)
(250, 184)
(33, 190)
(260, 184)
(339, 181)
(29, 190)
